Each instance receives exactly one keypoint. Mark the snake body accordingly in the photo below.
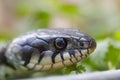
(47, 49)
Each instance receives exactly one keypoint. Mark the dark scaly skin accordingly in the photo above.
(38, 51)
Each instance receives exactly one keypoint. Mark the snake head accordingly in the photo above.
(49, 49)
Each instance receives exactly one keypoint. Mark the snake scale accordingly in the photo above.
(47, 49)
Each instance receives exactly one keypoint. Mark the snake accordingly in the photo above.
(47, 49)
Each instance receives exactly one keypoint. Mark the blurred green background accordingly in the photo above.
(99, 18)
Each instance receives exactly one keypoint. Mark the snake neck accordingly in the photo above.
(3, 59)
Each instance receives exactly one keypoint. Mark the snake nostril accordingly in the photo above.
(81, 44)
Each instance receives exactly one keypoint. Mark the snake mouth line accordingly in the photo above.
(79, 55)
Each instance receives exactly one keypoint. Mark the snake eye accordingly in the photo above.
(60, 43)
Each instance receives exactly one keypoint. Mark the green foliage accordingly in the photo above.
(69, 9)
(22, 10)
(77, 68)
(41, 19)
(117, 34)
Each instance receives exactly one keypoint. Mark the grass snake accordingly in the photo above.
(47, 49)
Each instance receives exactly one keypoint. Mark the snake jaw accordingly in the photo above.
(69, 59)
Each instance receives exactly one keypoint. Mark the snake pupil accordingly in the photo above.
(60, 43)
